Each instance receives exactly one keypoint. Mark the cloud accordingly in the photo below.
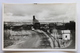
(42, 12)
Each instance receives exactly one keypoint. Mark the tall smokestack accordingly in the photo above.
(33, 17)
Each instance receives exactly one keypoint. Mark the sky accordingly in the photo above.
(57, 12)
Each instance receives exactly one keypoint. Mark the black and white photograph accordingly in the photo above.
(39, 26)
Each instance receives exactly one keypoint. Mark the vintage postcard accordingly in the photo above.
(29, 27)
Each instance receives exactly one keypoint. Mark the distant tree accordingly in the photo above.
(70, 25)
